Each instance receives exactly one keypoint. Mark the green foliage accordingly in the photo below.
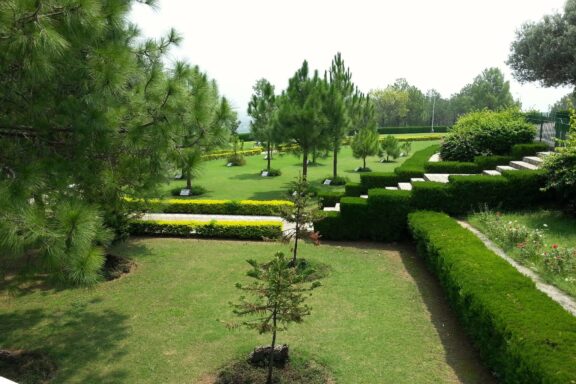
(354, 189)
(388, 212)
(329, 198)
(414, 165)
(486, 133)
(354, 212)
(432, 196)
(262, 109)
(331, 226)
(491, 162)
(378, 180)
(273, 172)
(390, 147)
(543, 51)
(214, 207)
(409, 129)
(279, 293)
(519, 331)
(236, 160)
(365, 143)
(451, 167)
(531, 149)
(213, 229)
(196, 190)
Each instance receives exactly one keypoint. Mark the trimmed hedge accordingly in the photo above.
(433, 196)
(245, 230)
(451, 167)
(226, 154)
(329, 198)
(491, 162)
(521, 334)
(379, 180)
(388, 212)
(354, 212)
(331, 226)
(414, 165)
(216, 207)
(354, 189)
(520, 150)
(412, 129)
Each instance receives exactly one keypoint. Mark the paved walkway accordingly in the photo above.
(567, 302)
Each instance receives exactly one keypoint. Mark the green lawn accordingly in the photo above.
(557, 229)
(246, 183)
(379, 317)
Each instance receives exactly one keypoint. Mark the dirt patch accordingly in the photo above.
(116, 267)
(26, 367)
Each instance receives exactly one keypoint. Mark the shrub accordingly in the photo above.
(331, 226)
(432, 196)
(411, 129)
(226, 153)
(390, 148)
(379, 180)
(451, 167)
(526, 188)
(414, 165)
(387, 213)
(247, 230)
(360, 169)
(196, 190)
(354, 189)
(236, 160)
(329, 198)
(354, 212)
(491, 162)
(216, 207)
(272, 172)
(531, 149)
(339, 180)
(472, 192)
(521, 334)
(486, 133)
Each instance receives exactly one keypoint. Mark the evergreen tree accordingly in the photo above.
(390, 147)
(300, 113)
(365, 142)
(280, 292)
(262, 109)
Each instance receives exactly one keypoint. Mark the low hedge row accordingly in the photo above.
(329, 198)
(354, 189)
(245, 230)
(521, 334)
(451, 167)
(383, 215)
(227, 154)
(491, 162)
(521, 150)
(412, 129)
(215, 207)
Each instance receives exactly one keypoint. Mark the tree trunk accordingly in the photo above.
(188, 180)
(335, 163)
(269, 156)
(364, 158)
(296, 236)
(314, 154)
(271, 358)
(304, 164)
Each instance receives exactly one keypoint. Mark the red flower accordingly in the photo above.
(520, 245)
(554, 246)
(315, 237)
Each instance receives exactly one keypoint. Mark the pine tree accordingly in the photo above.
(262, 108)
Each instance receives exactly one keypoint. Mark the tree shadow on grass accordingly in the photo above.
(270, 195)
(459, 353)
(72, 338)
(248, 176)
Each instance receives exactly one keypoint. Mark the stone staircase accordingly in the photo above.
(527, 163)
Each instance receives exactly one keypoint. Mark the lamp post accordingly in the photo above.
(433, 110)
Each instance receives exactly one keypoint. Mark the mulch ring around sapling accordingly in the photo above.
(116, 266)
(294, 372)
(26, 367)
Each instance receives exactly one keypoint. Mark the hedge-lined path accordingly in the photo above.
(207, 218)
(554, 293)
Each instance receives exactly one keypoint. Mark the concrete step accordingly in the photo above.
(415, 179)
(543, 154)
(434, 158)
(534, 160)
(441, 177)
(392, 188)
(364, 196)
(336, 208)
(405, 186)
(502, 168)
(492, 173)
(523, 165)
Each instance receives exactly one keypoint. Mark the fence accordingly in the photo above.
(550, 126)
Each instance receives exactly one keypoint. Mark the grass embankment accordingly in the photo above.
(245, 182)
(543, 240)
(379, 318)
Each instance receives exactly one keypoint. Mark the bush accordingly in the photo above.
(531, 149)
(339, 180)
(236, 160)
(491, 162)
(272, 172)
(414, 165)
(331, 226)
(246, 230)
(196, 190)
(526, 188)
(522, 335)
(354, 212)
(486, 133)
(360, 169)
(387, 213)
(473, 192)
(216, 207)
(329, 198)
(451, 167)
(355, 189)
(411, 129)
(432, 196)
(227, 153)
(246, 136)
(379, 180)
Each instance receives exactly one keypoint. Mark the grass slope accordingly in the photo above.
(379, 318)
(246, 183)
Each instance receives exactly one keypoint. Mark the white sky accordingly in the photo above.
(441, 44)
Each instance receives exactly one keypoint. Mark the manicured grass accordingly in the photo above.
(246, 183)
(556, 228)
(379, 317)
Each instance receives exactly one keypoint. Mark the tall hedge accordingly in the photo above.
(522, 335)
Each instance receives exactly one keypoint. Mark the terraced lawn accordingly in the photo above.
(379, 317)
